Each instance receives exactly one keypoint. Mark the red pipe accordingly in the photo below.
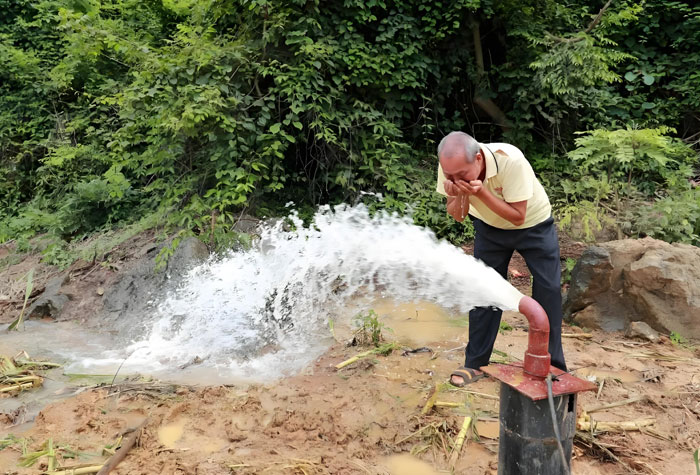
(537, 358)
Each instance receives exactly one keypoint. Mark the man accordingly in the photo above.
(496, 186)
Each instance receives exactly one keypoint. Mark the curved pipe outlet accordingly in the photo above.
(537, 358)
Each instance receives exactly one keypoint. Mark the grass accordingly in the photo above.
(369, 331)
(27, 292)
(504, 327)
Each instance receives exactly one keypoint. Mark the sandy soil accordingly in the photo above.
(366, 418)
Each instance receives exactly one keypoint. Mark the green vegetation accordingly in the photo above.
(569, 265)
(504, 327)
(115, 111)
(369, 329)
(677, 339)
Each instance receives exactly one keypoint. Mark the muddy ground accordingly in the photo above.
(366, 418)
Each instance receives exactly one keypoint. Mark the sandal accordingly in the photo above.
(468, 375)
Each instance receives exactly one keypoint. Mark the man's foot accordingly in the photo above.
(463, 376)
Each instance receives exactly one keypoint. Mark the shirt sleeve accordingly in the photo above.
(440, 187)
(518, 181)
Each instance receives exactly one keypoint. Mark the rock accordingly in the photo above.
(642, 330)
(588, 318)
(625, 252)
(646, 280)
(591, 276)
(136, 291)
(664, 286)
(190, 252)
(50, 302)
(247, 224)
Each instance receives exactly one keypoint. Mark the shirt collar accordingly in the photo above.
(491, 166)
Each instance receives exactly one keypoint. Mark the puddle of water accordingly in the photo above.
(419, 323)
(595, 374)
(406, 464)
(173, 434)
(488, 429)
(169, 434)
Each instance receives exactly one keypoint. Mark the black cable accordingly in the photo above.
(550, 398)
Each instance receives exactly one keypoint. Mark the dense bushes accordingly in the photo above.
(110, 110)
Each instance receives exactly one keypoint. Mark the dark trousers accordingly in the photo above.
(539, 245)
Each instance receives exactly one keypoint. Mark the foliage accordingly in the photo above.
(369, 329)
(199, 111)
(504, 327)
(674, 218)
(617, 173)
(569, 265)
(677, 339)
(648, 156)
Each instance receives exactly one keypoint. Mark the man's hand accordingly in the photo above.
(473, 187)
(450, 188)
(461, 187)
(458, 197)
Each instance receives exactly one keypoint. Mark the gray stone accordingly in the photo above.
(591, 276)
(136, 292)
(642, 330)
(51, 301)
(247, 224)
(190, 252)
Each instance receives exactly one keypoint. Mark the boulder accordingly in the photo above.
(589, 318)
(645, 280)
(137, 290)
(590, 277)
(664, 286)
(51, 301)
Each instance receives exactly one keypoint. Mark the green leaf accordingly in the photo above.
(648, 105)
(275, 128)
(631, 76)
(648, 79)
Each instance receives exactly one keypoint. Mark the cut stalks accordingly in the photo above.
(384, 349)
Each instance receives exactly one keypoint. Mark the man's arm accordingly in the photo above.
(512, 212)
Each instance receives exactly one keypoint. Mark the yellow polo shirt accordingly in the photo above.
(510, 177)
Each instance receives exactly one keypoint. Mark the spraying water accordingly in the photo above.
(265, 311)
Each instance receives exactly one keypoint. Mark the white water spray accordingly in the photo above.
(265, 310)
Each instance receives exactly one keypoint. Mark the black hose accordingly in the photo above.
(550, 398)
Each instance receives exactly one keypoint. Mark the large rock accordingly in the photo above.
(664, 286)
(136, 292)
(51, 301)
(591, 276)
(647, 280)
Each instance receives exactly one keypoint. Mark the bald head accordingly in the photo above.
(456, 145)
